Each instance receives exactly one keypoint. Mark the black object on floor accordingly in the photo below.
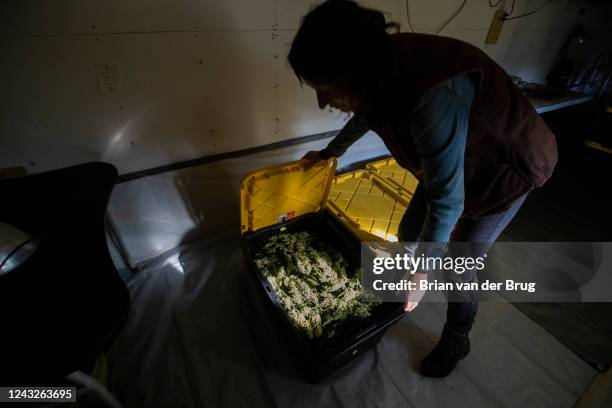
(316, 361)
(62, 306)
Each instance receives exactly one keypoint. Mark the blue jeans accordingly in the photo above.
(481, 231)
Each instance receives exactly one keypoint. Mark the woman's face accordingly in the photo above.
(333, 96)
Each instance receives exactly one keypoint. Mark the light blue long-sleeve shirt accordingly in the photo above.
(438, 124)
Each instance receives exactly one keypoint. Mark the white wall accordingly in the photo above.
(200, 77)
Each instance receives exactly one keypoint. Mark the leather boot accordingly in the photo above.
(441, 361)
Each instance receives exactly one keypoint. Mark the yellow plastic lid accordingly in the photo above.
(276, 194)
(367, 205)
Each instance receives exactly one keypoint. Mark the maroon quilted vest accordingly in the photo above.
(509, 150)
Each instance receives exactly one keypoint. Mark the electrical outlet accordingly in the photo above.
(496, 26)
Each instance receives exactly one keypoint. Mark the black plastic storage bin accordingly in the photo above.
(316, 359)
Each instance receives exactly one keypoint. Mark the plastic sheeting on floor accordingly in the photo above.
(194, 339)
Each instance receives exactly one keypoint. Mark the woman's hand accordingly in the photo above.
(413, 297)
(313, 158)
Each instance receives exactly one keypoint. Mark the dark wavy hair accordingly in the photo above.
(342, 43)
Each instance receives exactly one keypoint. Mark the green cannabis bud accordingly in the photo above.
(312, 283)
